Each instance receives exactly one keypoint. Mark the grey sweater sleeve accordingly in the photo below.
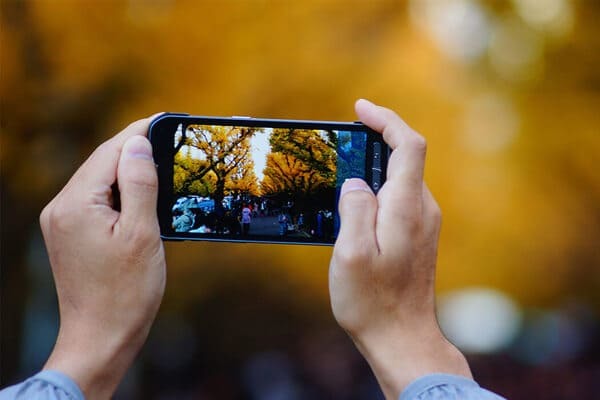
(446, 387)
(45, 385)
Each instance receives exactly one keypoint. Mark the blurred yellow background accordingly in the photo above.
(507, 94)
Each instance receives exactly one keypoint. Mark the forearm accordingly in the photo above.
(400, 358)
(96, 361)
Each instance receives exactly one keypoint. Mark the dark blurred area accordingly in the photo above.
(507, 94)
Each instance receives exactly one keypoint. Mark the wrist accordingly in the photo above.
(397, 357)
(94, 359)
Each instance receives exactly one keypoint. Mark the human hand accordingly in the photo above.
(382, 271)
(108, 264)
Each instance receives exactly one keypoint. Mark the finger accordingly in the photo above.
(400, 198)
(407, 160)
(138, 183)
(139, 127)
(100, 169)
(357, 209)
(382, 120)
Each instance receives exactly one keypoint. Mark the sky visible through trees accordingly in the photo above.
(215, 160)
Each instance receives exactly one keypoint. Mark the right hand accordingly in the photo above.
(382, 270)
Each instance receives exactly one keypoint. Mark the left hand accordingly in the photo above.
(108, 264)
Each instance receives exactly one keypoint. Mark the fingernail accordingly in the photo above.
(353, 184)
(361, 100)
(138, 147)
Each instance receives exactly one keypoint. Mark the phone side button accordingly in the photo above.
(377, 155)
(376, 179)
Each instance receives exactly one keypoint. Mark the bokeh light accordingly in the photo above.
(516, 51)
(479, 320)
(554, 16)
(460, 27)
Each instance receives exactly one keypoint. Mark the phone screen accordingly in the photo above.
(262, 182)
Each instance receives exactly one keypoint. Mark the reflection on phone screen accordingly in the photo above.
(276, 183)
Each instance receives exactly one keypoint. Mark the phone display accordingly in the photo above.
(258, 180)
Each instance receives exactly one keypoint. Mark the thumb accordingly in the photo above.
(358, 212)
(138, 183)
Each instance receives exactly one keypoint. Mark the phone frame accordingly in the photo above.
(161, 134)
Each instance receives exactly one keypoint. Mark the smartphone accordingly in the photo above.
(247, 179)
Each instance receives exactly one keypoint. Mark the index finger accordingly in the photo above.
(101, 167)
(407, 161)
(400, 198)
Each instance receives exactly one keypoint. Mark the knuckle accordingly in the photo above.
(417, 143)
(436, 212)
(139, 125)
(356, 200)
(391, 115)
(103, 147)
(143, 177)
(45, 217)
(355, 254)
(147, 182)
(56, 217)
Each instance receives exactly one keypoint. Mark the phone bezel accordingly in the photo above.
(163, 128)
